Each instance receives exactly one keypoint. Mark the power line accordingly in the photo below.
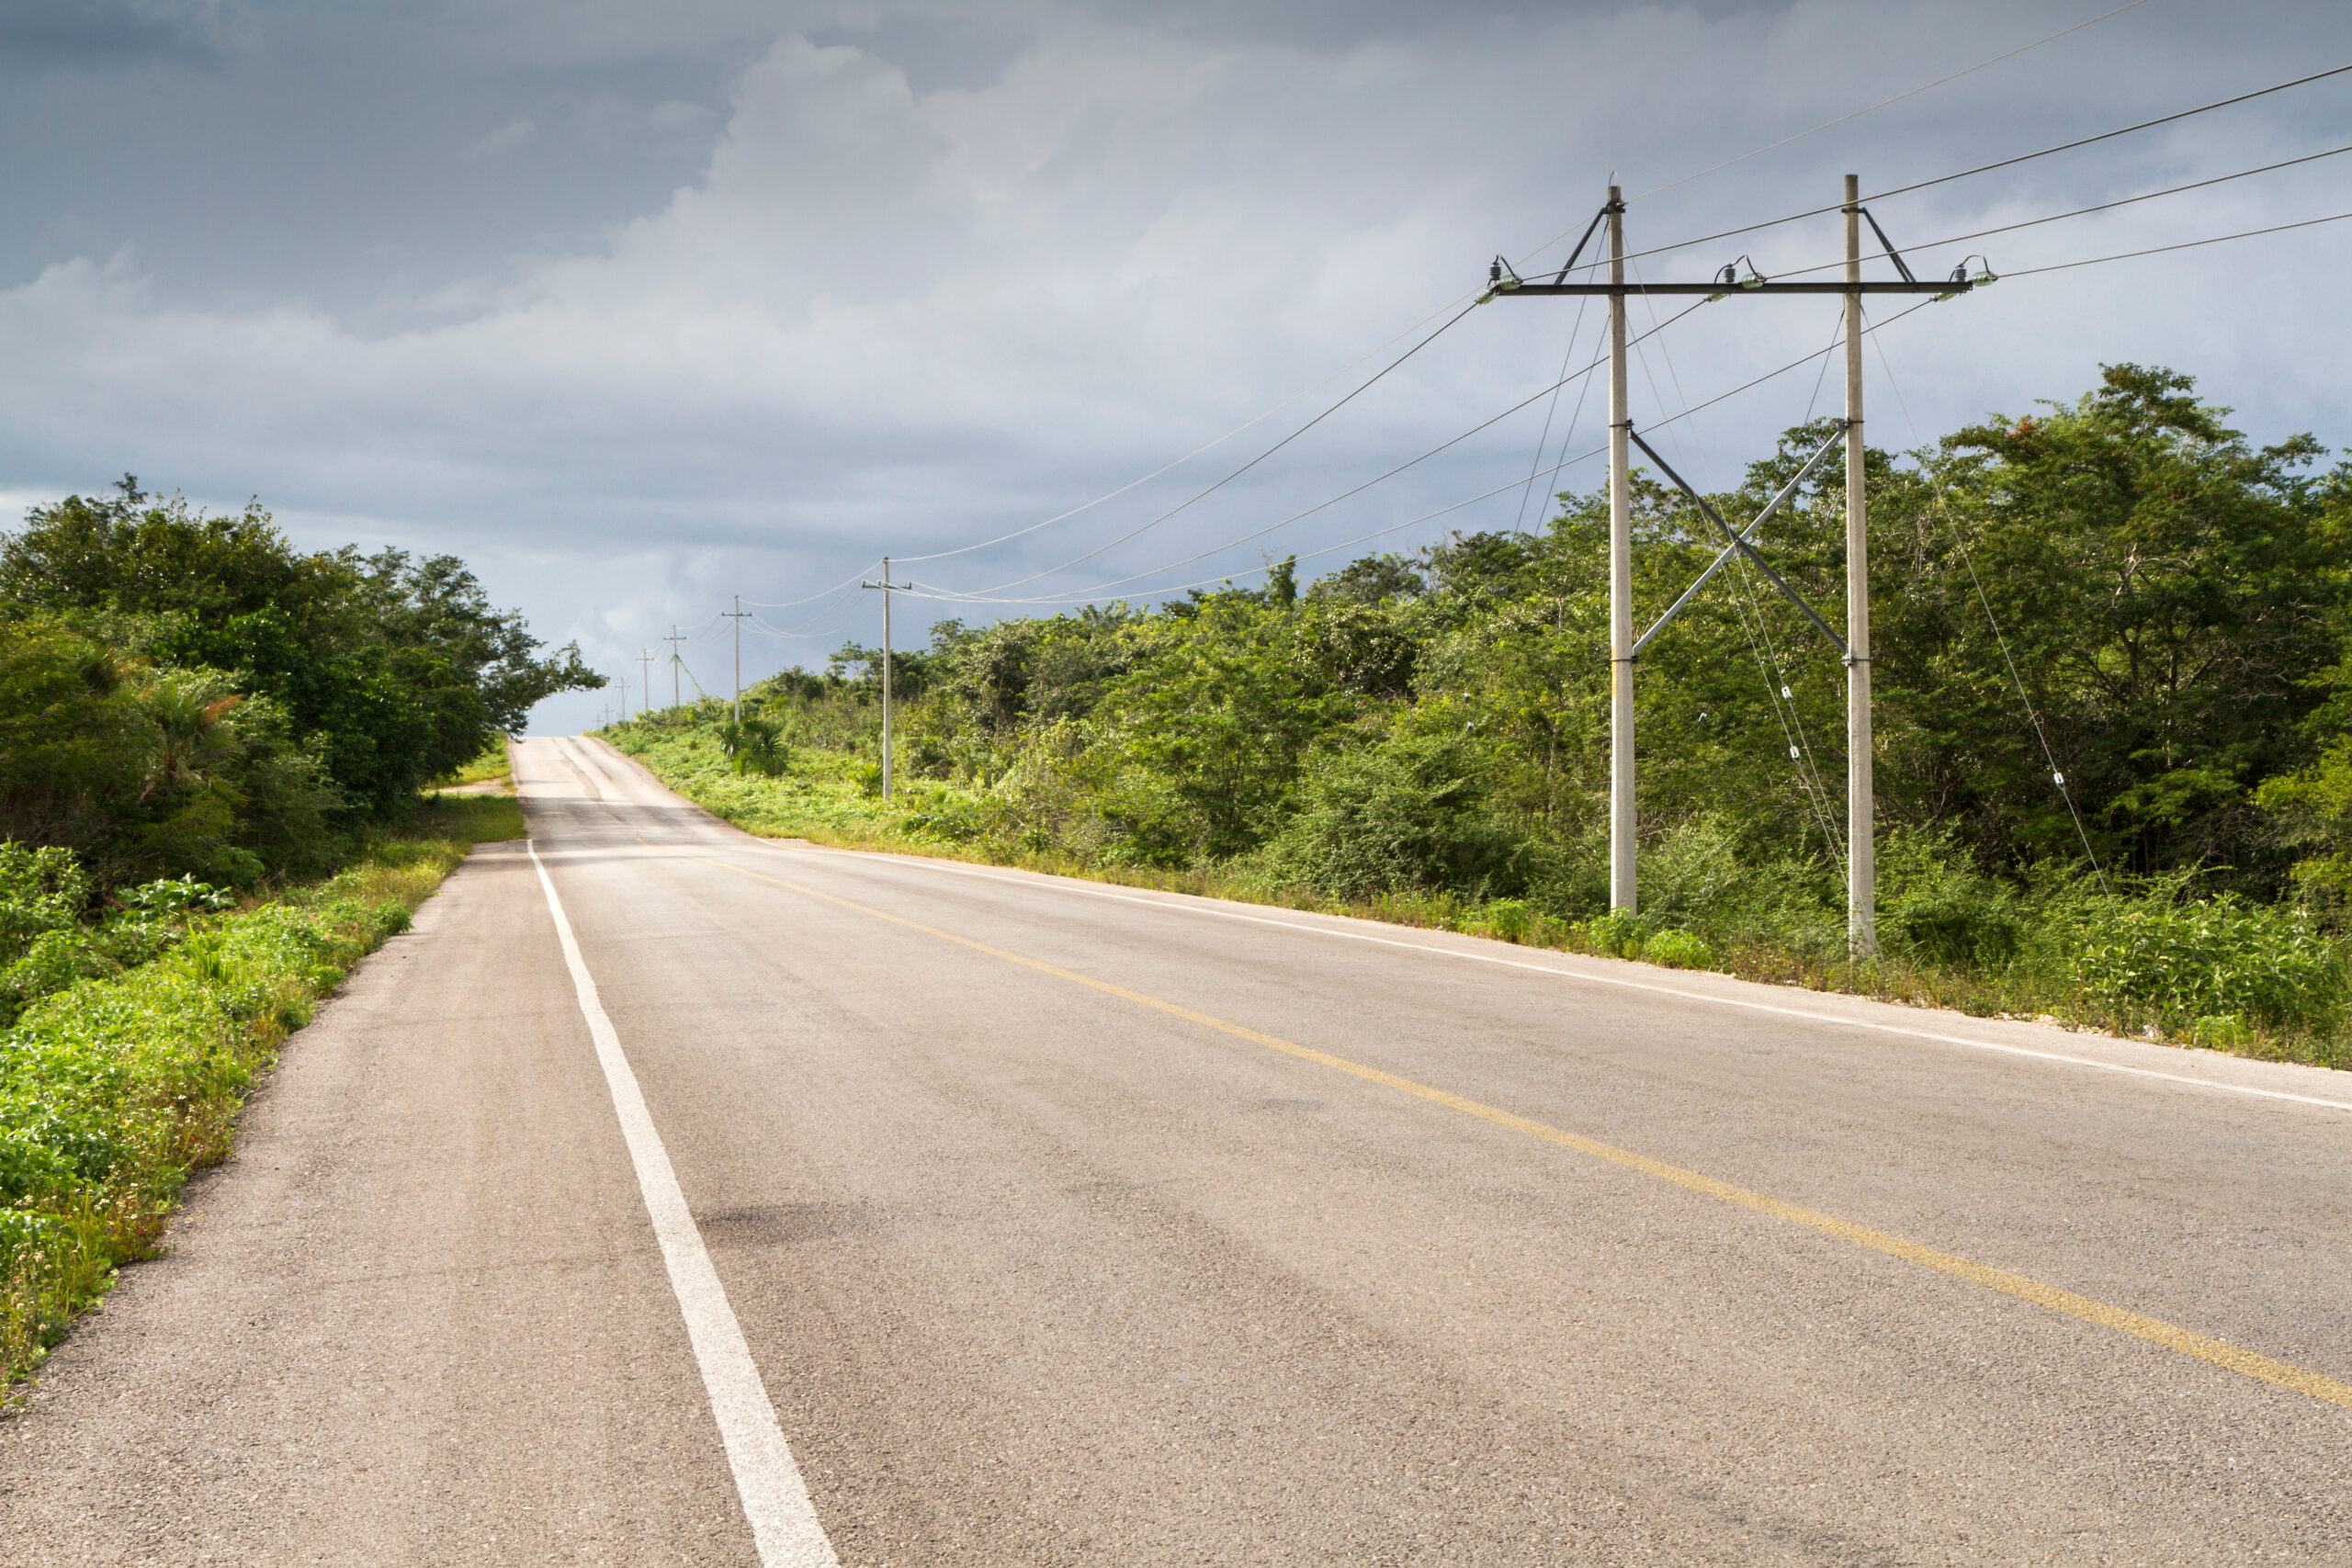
(2001, 164)
(796, 604)
(1204, 494)
(1544, 437)
(2184, 245)
(1922, 185)
(983, 595)
(2081, 211)
(1442, 511)
(1205, 447)
(2109, 135)
(1868, 108)
(1088, 595)
(826, 621)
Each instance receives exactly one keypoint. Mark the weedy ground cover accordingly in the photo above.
(117, 1085)
(2217, 972)
(494, 764)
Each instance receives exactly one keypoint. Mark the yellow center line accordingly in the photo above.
(2155, 1330)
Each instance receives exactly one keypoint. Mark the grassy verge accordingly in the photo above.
(829, 798)
(114, 1090)
(493, 765)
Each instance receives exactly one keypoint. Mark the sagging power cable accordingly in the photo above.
(2080, 212)
(1211, 490)
(2184, 245)
(985, 595)
(1248, 425)
(2000, 164)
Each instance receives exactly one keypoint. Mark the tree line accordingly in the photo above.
(2112, 643)
(184, 693)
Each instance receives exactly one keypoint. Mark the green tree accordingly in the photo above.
(387, 669)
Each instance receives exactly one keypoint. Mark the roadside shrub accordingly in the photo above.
(41, 890)
(175, 895)
(1618, 933)
(1408, 813)
(2220, 958)
(150, 921)
(1506, 919)
(1676, 949)
(1702, 879)
(754, 748)
(1933, 906)
(56, 959)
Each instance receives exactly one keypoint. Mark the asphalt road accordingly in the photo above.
(1012, 1220)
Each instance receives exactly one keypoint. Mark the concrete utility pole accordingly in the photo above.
(887, 588)
(1620, 577)
(645, 692)
(736, 615)
(673, 639)
(1855, 646)
(1861, 802)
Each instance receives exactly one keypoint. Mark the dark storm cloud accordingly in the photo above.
(83, 33)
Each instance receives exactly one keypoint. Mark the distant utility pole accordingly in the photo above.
(645, 691)
(736, 615)
(1625, 649)
(887, 588)
(673, 639)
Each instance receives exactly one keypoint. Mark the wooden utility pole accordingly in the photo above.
(1861, 816)
(1620, 577)
(736, 615)
(1855, 646)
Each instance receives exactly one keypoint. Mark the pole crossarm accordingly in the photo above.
(1724, 555)
(1738, 542)
(1720, 290)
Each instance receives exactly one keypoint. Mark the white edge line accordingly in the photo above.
(1061, 885)
(776, 1500)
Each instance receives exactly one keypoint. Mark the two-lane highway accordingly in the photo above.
(1061, 1223)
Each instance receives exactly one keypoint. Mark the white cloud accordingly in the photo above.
(881, 318)
(511, 137)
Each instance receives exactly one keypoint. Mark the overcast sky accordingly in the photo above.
(638, 307)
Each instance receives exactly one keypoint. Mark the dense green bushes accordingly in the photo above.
(46, 944)
(2120, 591)
(2214, 966)
(1407, 812)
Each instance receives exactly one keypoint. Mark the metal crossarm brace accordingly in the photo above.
(1892, 253)
(1606, 208)
(1724, 555)
(1739, 543)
